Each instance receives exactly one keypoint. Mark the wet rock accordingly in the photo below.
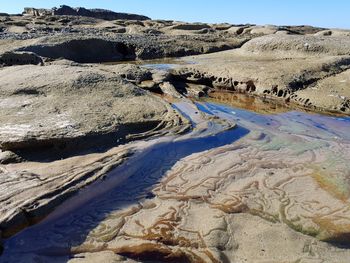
(77, 113)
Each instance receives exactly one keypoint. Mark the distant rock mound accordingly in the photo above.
(65, 10)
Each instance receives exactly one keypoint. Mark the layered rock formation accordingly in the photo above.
(65, 10)
(56, 111)
(292, 69)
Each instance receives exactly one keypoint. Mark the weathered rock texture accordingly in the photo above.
(61, 110)
(121, 48)
(292, 69)
(60, 105)
(237, 203)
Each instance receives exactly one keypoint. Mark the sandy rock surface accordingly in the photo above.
(279, 67)
(62, 104)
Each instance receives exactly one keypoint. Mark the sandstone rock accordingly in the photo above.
(266, 74)
(196, 91)
(237, 30)
(330, 93)
(126, 47)
(61, 110)
(30, 11)
(222, 26)
(293, 44)
(85, 50)
(283, 32)
(62, 106)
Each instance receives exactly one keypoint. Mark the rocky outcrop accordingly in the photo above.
(292, 45)
(49, 114)
(70, 107)
(65, 10)
(128, 47)
(273, 75)
(30, 11)
(91, 50)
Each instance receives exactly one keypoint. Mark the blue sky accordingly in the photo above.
(324, 13)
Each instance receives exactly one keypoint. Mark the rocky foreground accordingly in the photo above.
(66, 115)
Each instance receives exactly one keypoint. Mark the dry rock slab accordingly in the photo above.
(63, 105)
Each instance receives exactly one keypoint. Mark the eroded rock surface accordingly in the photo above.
(288, 68)
(60, 110)
(60, 105)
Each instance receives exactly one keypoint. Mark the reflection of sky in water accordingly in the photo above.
(149, 168)
(293, 122)
(160, 66)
